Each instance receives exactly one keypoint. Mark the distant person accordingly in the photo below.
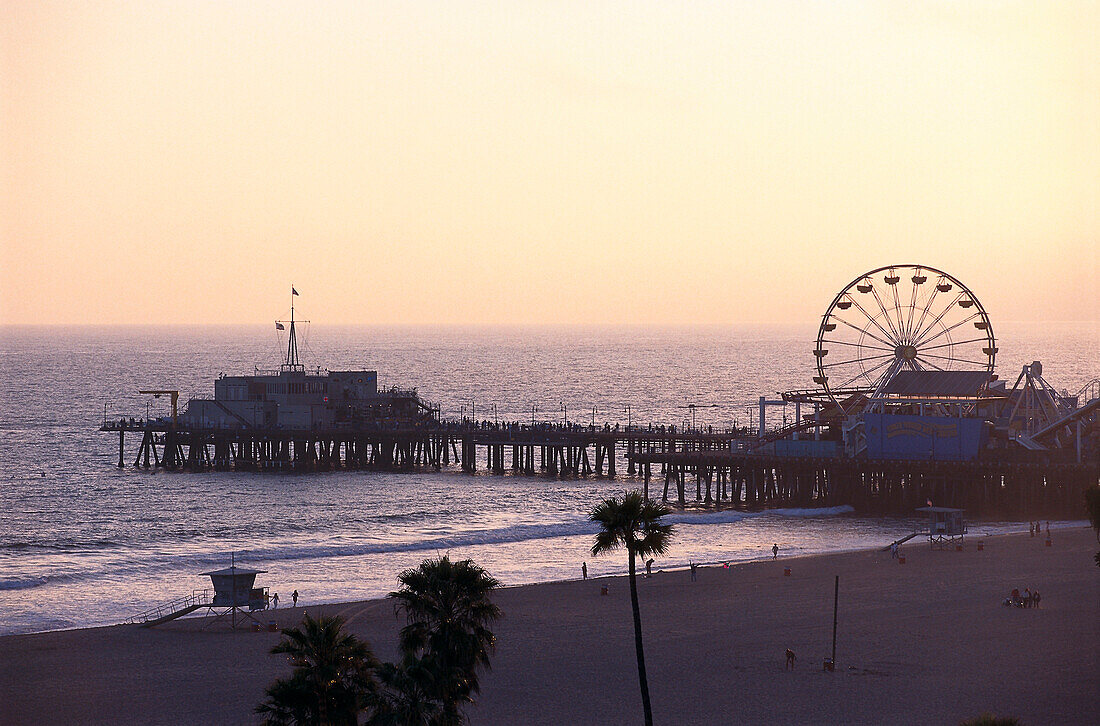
(1035, 599)
(1048, 528)
(275, 601)
(584, 570)
(693, 567)
(649, 567)
(789, 665)
(1031, 529)
(294, 597)
(1027, 597)
(775, 550)
(894, 550)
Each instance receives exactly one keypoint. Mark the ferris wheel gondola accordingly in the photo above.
(891, 319)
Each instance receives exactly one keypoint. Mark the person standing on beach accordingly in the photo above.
(894, 550)
(275, 601)
(789, 665)
(584, 570)
(775, 550)
(648, 567)
(1031, 529)
(294, 597)
(692, 566)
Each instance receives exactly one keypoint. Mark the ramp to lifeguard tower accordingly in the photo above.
(170, 616)
(903, 540)
(175, 609)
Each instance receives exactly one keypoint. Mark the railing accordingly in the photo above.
(196, 598)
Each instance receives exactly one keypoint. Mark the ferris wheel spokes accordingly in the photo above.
(900, 330)
(922, 341)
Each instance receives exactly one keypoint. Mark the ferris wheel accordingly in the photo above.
(902, 317)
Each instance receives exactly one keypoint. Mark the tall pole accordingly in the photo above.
(836, 600)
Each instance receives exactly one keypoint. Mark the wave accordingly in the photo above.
(733, 515)
(509, 535)
(22, 583)
(64, 545)
(501, 536)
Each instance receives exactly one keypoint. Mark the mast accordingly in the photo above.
(292, 362)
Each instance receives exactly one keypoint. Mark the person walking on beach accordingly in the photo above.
(693, 567)
(775, 550)
(294, 597)
(894, 550)
(648, 567)
(789, 665)
(584, 570)
(275, 601)
(1031, 529)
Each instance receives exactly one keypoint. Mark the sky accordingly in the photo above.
(541, 163)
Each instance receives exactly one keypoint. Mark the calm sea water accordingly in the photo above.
(85, 543)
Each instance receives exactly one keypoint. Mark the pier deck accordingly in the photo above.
(725, 471)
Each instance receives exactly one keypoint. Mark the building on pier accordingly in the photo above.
(293, 397)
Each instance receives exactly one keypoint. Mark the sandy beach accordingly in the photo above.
(927, 642)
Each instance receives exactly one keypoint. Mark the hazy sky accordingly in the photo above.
(533, 162)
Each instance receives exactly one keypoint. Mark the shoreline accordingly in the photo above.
(1062, 525)
(925, 642)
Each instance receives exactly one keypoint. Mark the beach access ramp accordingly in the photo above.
(174, 609)
(903, 540)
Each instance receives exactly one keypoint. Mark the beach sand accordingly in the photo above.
(927, 642)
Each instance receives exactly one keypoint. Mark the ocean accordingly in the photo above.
(85, 543)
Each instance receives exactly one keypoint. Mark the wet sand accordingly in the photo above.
(927, 642)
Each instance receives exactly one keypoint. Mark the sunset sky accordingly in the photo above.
(528, 162)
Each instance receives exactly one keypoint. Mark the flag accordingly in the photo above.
(279, 326)
(293, 291)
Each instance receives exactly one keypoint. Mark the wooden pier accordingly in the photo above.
(1023, 488)
(680, 460)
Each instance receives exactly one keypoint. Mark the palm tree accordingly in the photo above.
(407, 697)
(448, 612)
(333, 678)
(633, 522)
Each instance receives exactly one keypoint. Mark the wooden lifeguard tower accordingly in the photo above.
(235, 591)
(946, 527)
(234, 594)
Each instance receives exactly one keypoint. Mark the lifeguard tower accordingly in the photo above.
(946, 527)
(234, 594)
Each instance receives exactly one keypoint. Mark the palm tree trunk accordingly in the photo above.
(642, 680)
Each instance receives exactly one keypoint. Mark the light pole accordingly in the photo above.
(495, 422)
(694, 406)
(594, 412)
(534, 410)
(627, 409)
(564, 411)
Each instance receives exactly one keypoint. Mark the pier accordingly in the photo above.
(905, 412)
(683, 467)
